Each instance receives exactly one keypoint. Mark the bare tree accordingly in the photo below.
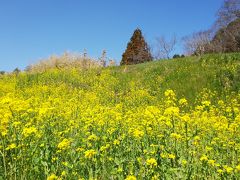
(229, 11)
(198, 43)
(103, 59)
(164, 48)
(112, 62)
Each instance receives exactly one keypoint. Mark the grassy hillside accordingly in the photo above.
(169, 119)
(187, 76)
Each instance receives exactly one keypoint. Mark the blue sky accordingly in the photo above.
(31, 30)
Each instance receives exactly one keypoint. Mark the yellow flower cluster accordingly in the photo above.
(90, 153)
(64, 144)
(92, 125)
(29, 131)
(151, 162)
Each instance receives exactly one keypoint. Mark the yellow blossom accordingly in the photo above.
(29, 131)
(93, 137)
(169, 93)
(90, 153)
(151, 162)
(206, 103)
(175, 136)
(228, 169)
(131, 177)
(171, 111)
(163, 155)
(238, 168)
(64, 144)
(211, 162)
(137, 133)
(11, 146)
(171, 156)
(105, 148)
(220, 171)
(204, 158)
(184, 162)
(52, 177)
(183, 102)
(80, 149)
(64, 173)
(116, 142)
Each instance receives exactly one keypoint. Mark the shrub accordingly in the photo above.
(2, 72)
(65, 61)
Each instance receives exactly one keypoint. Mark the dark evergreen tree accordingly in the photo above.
(137, 50)
(175, 56)
(2, 72)
(16, 71)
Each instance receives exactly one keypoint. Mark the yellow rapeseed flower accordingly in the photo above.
(90, 153)
(64, 144)
(171, 156)
(220, 171)
(131, 177)
(228, 169)
(116, 142)
(169, 93)
(138, 134)
(80, 149)
(151, 162)
(238, 168)
(52, 177)
(163, 155)
(175, 136)
(93, 137)
(171, 111)
(104, 148)
(206, 103)
(29, 131)
(211, 162)
(203, 158)
(185, 118)
(183, 102)
(11, 146)
(64, 173)
(184, 162)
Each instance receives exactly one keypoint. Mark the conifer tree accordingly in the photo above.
(137, 50)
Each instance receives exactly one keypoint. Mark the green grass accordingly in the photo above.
(219, 73)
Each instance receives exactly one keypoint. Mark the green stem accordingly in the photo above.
(186, 134)
(4, 164)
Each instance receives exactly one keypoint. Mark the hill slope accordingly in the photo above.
(187, 76)
(173, 119)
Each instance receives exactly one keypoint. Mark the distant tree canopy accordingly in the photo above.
(175, 56)
(137, 50)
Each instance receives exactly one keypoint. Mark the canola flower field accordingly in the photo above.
(176, 119)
